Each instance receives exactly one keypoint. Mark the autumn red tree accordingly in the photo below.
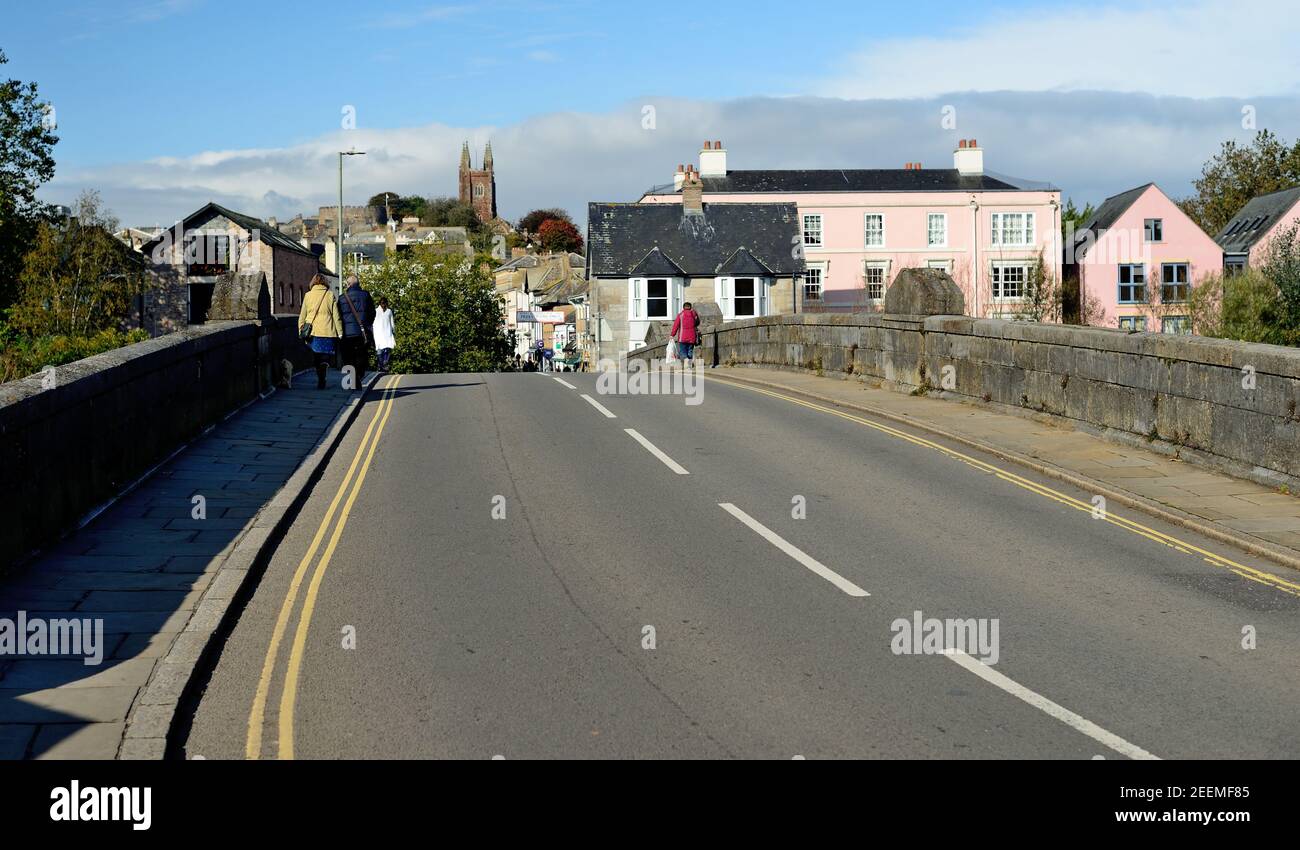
(557, 235)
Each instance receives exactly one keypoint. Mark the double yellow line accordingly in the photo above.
(356, 476)
(1275, 582)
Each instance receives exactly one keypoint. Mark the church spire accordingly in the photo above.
(487, 158)
(464, 157)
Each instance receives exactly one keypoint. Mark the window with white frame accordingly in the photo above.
(1009, 280)
(936, 230)
(812, 230)
(873, 228)
(1133, 323)
(1176, 325)
(945, 265)
(1154, 229)
(656, 298)
(741, 297)
(812, 283)
(1013, 229)
(873, 276)
(746, 293)
(651, 298)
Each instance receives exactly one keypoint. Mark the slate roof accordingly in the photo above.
(1106, 216)
(621, 237)
(857, 180)
(266, 233)
(741, 262)
(655, 263)
(1255, 219)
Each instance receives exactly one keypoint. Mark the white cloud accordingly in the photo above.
(1091, 144)
(1201, 48)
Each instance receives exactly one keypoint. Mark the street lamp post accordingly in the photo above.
(339, 244)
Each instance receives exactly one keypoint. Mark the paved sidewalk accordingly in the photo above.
(1262, 519)
(142, 566)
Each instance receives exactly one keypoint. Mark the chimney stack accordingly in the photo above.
(968, 159)
(692, 195)
(679, 178)
(713, 160)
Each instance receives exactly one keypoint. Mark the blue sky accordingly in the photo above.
(161, 103)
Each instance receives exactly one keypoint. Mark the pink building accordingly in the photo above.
(1245, 239)
(860, 227)
(1137, 260)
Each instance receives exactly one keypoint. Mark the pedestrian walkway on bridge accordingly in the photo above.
(151, 566)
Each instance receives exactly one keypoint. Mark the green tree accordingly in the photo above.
(1073, 219)
(26, 161)
(1244, 306)
(451, 212)
(1281, 265)
(447, 315)
(77, 279)
(1238, 173)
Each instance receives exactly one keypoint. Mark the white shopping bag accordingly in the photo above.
(670, 353)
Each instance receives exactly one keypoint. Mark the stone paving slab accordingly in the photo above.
(143, 567)
(1262, 519)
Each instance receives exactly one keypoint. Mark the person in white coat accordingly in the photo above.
(383, 334)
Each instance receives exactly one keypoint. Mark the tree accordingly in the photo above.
(447, 314)
(451, 212)
(1238, 173)
(1281, 265)
(1243, 306)
(1073, 219)
(532, 223)
(556, 235)
(386, 200)
(77, 279)
(1041, 297)
(26, 161)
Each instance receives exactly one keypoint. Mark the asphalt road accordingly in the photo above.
(440, 629)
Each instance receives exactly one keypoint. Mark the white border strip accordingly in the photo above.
(566, 383)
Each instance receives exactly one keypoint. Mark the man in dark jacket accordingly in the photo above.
(358, 312)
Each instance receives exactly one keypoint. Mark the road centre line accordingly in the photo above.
(794, 552)
(1261, 576)
(654, 450)
(1042, 703)
(599, 406)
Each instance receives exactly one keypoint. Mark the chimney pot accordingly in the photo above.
(972, 144)
(681, 169)
(717, 146)
(961, 144)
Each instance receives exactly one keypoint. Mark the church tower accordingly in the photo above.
(478, 187)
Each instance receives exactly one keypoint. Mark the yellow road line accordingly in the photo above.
(1275, 582)
(290, 692)
(256, 716)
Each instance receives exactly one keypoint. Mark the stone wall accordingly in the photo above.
(1182, 394)
(106, 420)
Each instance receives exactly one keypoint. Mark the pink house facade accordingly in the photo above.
(859, 228)
(1137, 261)
(1246, 238)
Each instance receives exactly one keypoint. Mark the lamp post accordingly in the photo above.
(339, 243)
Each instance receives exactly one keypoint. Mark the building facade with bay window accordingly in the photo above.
(645, 261)
(859, 227)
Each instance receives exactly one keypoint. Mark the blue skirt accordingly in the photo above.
(323, 344)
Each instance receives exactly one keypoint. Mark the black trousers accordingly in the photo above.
(356, 354)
